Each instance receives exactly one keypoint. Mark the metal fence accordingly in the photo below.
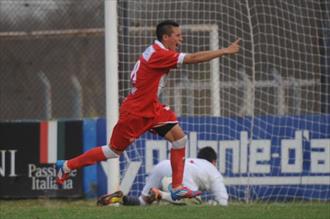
(52, 56)
(51, 59)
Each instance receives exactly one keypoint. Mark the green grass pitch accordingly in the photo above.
(81, 209)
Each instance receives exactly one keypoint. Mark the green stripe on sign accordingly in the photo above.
(73, 138)
(61, 140)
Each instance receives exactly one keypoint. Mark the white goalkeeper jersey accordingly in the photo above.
(199, 174)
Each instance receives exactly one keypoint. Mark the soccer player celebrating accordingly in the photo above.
(200, 174)
(141, 111)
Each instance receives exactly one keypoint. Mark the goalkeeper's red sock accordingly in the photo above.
(177, 163)
(88, 158)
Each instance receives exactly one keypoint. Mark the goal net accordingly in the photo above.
(265, 111)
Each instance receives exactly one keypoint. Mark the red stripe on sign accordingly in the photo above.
(43, 150)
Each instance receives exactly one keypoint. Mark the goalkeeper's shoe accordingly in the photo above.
(109, 199)
(183, 192)
(61, 175)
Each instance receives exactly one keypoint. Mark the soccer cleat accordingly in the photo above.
(154, 195)
(183, 192)
(61, 175)
(109, 199)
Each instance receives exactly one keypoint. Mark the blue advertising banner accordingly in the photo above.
(268, 157)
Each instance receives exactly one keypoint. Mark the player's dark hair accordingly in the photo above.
(165, 28)
(207, 153)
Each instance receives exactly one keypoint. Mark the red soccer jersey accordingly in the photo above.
(146, 79)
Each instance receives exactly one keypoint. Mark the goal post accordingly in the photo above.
(111, 166)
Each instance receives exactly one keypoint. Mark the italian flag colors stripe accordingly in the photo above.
(61, 141)
(48, 141)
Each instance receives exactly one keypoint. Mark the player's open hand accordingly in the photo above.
(233, 48)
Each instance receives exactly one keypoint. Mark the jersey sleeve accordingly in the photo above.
(219, 191)
(166, 59)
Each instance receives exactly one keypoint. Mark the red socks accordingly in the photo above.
(177, 163)
(88, 158)
(96, 155)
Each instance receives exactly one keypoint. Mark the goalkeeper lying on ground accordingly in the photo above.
(200, 174)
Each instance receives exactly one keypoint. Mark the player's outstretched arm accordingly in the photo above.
(205, 56)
